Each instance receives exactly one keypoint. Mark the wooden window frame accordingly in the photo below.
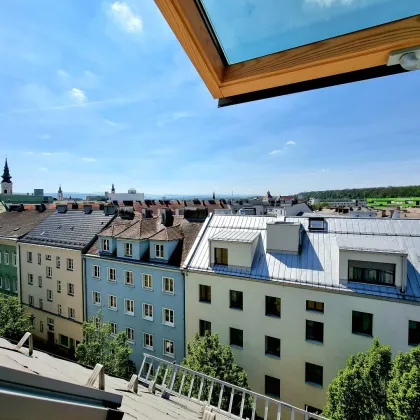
(365, 49)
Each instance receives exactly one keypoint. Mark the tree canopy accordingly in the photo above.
(100, 346)
(14, 322)
(373, 192)
(209, 356)
(373, 387)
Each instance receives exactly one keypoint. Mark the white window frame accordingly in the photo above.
(39, 281)
(70, 312)
(168, 292)
(14, 259)
(39, 257)
(41, 303)
(6, 283)
(30, 300)
(148, 341)
(128, 249)
(110, 299)
(114, 270)
(14, 285)
(127, 283)
(147, 317)
(70, 264)
(144, 276)
(105, 247)
(30, 279)
(41, 326)
(96, 271)
(50, 295)
(97, 294)
(6, 258)
(164, 348)
(164, 321)
(70, 287)
(48, 272)
(59, 309)
(129, 312)
(29, 256)
(57, 262)
(48, 257)
(131, 340)
(58, 286)
(159, 251)
(114, 328)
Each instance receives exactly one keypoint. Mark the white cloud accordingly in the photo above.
(46, 154)
(79, 95)
(329, 3)
(126, 18)
(29, 153)
(43, 169)
(111, 123)
(291, 142)
(62, 73)
(276, 152)
(86, 159)
(175, 116)
(45, 136)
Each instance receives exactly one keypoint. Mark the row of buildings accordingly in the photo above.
(292, 296)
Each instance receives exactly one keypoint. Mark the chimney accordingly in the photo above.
(110, 209)
(61, 208)
(147, 213)
(166, 217)
(126, 213)
(284, 237)
(40, 207)
(87, 208)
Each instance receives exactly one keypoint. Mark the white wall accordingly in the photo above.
(126, 197)
(239, 253)
(390, 324)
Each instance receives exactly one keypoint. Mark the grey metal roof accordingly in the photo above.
(317, 264)
(235, 235)
(16, 224)
(73, 229)
(369, 243)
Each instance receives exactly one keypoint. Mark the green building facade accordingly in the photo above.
(8, 267)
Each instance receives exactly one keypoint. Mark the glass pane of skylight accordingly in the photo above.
(248, 29)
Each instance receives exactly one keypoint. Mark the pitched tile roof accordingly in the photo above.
(15, 224)
(73, 229)
(151, 228)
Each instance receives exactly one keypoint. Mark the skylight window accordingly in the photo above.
(317, 224)
(247, 30)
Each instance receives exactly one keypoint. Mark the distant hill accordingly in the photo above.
(374, 192)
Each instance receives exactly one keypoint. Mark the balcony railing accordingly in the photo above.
(178, 381)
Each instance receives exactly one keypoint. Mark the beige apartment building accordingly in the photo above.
(295, 297)
(51, 273)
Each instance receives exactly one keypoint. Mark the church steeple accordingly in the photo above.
(6, 181)
(6, 174)
(60, 195)
(113, 189)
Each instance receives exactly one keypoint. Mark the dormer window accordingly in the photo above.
(105, 244)
(128, 249)
(159, 251)
(317, 223)
(372, 272)
(221, 256)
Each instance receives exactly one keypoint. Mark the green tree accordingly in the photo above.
(209, 356)
(14, 322)
(100, 346)
(359, 391)
(404, 387)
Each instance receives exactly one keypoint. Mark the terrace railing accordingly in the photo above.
(178, 381)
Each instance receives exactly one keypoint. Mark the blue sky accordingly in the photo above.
(94, 93)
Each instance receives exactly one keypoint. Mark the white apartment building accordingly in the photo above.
(294, 297)
(51, 273)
